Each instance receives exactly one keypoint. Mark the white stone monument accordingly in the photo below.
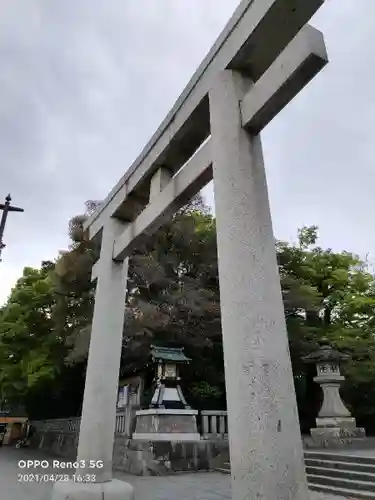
(263, 58)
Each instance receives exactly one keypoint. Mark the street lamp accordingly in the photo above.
(6, 208)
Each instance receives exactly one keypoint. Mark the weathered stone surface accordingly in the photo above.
(171, 422)
(141, 458)
(333, 405)
(336, 437)
(338, 443)
(337, 432)
(97, 427)
(62, 444)
(344, 422)
(163, 458)
(265, 442)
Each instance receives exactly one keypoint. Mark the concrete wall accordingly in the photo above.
(62, 444)
(141, 457)
(165, 457)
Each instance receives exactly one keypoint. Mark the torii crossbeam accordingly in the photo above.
(261, 61)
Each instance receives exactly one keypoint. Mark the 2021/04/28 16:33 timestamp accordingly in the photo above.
(54, 478)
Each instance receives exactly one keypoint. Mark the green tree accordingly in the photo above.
(340, 307)
(28, 345)
(174, 300)
(74, 290)
(30, 349)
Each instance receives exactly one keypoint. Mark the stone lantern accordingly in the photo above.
(334, 421)
(168, 392)
(169, 418)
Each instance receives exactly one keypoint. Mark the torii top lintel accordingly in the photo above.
(266, 40)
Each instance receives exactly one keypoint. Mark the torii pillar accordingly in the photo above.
(93, 476)
(264, 57)
(265, 441)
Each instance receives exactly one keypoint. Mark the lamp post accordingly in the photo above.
(6, 208)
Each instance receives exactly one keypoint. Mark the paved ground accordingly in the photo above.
(200, 486)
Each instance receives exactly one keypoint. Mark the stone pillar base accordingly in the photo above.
(111, 490)
(343, 422)
(159, 424)
(331, 437)
(170, 437)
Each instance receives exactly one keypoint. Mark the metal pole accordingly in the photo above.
(6, 208)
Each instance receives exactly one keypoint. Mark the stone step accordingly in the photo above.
(329, 461)
(339, 457)
(350, 466)
(339, 490)
(336, 482)
(344, 492)
(223, 470)
(352, 476)
(342, 474)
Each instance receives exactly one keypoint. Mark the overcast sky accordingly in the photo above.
(84, 85)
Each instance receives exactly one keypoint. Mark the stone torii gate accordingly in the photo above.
(263, 58)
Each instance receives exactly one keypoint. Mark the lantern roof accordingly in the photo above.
(325, 353)
(169, 354)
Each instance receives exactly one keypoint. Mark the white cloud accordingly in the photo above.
(85, 84)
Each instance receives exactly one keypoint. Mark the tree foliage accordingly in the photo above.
(75, 292)
(28, 343)
(173, 299)
(328, 296)
(32, 349)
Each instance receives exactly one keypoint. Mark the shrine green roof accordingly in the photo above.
(174, 354)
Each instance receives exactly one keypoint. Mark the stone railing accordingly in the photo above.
(71, 425)
(120, 427)
(60, 425)
(60, 438)
(214, 424)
